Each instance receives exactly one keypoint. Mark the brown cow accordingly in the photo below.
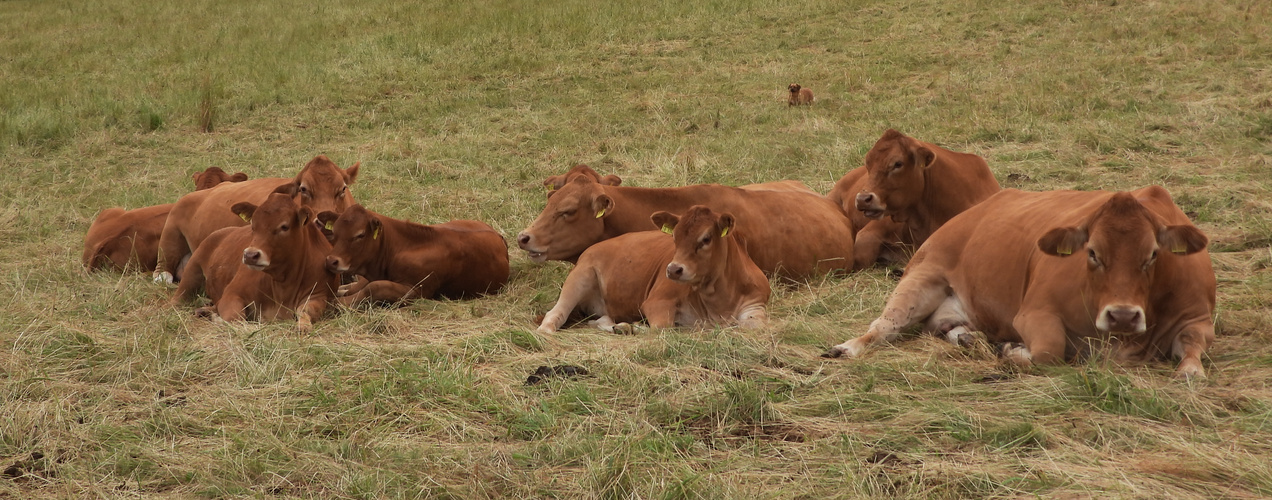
(799, 95)
(1013, 268)
(556, 182)
(787, 232)
(699, 276)
(400, 261)
(271, 270)
(918, 185)
(122, 240)
(321, 185)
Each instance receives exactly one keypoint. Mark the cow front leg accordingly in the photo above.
(1043, 339)
(916, 297)
(388, 291)
(310, 312)
(579, 285)
(753, 317)
(1188, 346)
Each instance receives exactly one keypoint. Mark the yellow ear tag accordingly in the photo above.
(1064, 249)
(1179, 247)
(328, 225)
(549, 187)
(668, 229)
(724, 232)
(245, 218)
(600, 214)
(376, 234)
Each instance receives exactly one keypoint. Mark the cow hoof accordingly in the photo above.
(545, 330)
(624, 329)
(163, 277)
(966, 340)
(205, 313)
(1190, 372)
(342, 291)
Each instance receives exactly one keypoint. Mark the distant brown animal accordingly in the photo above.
(917, 185)
(399, 260)
(129, 240)
(321, 185)
(1047, 272)
(799, 95)
(273, 269)
(698, 276)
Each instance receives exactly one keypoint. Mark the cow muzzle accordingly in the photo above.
(1121, 319)
(870, 205)
(525, 242)
(335, 265)
(677, 272)
(255, 259)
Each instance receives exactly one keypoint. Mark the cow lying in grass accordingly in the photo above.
(1045, 273)
(699, 276)
(398, 261)
(274, 269)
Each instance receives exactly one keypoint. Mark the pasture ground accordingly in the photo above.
(459, 109)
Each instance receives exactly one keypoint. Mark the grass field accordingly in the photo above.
(459, 109)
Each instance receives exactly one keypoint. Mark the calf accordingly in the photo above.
(123, 240)
(697, 277)
(400, 261)
(273, 269)
(918, 185)
(321, 185)
(1012, 268)
(787, 231)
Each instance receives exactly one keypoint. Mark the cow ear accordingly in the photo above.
(238, 177)
(305, 215)
(665, 221)
(244, 210)
(612, 180)
(725, 224)
(1184, 239)
(375, 228)
(351, 173)
(197, 176)
(602, 204)
(327, 223)
(288, 189)
(925, 156)
(1062, 241)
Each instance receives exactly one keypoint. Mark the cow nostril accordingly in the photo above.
(523, 239)
(675, 270)
(865, 197)
(251, 254)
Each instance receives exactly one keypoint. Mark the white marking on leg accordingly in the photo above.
(163, 277)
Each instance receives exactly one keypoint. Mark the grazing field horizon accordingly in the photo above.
(458, 110)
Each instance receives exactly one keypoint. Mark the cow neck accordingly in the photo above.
(634, 205)
(396, 234)
(936, 195)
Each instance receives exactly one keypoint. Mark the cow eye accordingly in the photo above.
(896, 166)
(704, 241)
(1091, 255)
(360, 236)
(342, 191)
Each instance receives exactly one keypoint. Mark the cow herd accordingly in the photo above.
(1006, 263)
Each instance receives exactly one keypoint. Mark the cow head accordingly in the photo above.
(794, 88)
(279, 229)
(573, 220)
(552, 184)
(356, 237)
(895, 166)
(1123, 241)
(322, 185)
(700, 243)
(209, 178)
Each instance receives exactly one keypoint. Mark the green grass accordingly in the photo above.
(459, 110)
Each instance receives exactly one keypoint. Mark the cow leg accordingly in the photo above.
(1043, 336)
(311, 311)
(1188, 346)
(918, 295)
(189, 286)
(867, 246)
(173, 248)
(753, 317)
(950, 320)
(389, 291)
(231, 308)
(352, 288)
(581, 284)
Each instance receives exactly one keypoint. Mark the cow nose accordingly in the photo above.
(523, 240)
(1124, 317)
(333, 264)
(251, 255)
(675, 271)
(865, 197)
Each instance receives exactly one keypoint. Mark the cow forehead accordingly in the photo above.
(698, 221)
(277, 208)
(572, 195)
(885, 152)
(353, 219)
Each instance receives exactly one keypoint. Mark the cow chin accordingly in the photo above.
(257, 266)
(537, 257)
(873, 214)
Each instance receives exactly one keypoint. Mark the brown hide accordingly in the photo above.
(122, 240)
(918, 185)
(400, 261)
(321, 185)
(787, 232)
(271, 270)
(1055, 270)
(556, 182)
